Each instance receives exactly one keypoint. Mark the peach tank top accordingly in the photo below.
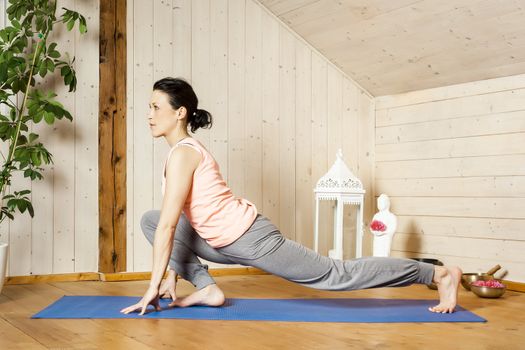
(211, 208)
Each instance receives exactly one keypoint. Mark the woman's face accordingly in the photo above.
(162, 118)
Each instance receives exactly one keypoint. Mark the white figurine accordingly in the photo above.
(383, 227)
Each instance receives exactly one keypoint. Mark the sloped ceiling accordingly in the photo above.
(395, 46)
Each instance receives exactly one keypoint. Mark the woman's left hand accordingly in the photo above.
(151, 297)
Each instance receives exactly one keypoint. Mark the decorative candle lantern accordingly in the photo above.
(339, 184)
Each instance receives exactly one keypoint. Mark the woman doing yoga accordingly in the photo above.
(201, 218)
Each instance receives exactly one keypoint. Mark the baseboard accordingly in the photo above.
(118, 276)
(515, 286)
(62, 277)
(139, 276)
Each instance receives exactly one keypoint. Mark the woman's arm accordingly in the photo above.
(179, 178)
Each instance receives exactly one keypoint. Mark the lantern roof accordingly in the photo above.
(339, 179)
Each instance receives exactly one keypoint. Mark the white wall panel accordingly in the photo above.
(280, 111)
(452, 161)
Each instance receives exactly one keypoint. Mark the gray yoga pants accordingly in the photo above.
(264, 247)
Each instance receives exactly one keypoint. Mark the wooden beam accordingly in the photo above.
(112, 137)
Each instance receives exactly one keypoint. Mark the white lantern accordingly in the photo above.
(341, 185)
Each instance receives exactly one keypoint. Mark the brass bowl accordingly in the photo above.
(468, 278)
(487, 292)
(432, 285)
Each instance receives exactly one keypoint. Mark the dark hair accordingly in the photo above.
(181, 94)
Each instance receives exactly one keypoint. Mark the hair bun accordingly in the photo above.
(200, 119)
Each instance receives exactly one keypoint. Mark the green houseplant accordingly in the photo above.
(25, 56)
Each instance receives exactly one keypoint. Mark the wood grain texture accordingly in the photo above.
(452, 162)
(391, 47)
(219, 85)
(479, 186)
(350, 134)
(253, 108)
(236, 95)
(130, 136)
(304, 207)
(57, 277)
(62, 236)
(118, 276)
(496, 165)
(86, 140)
(200, 59)
(270, 119)
(112, 137)
(287, 123)
(452, 91)
(505, 317)
(321, 162)
(120, 137)
(163, 67)
(142, 144)
(279, 117)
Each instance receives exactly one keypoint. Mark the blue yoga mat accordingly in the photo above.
(291, 310)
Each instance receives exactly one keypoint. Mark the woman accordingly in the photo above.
(200, 217)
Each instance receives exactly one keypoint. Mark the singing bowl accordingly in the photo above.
(487, 292)
(468, 278)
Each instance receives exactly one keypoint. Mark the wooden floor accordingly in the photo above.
(505, 328)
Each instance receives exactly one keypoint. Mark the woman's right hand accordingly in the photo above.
(167, 287)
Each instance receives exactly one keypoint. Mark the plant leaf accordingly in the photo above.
(37, 118)
(49, 118)
(82, 25)
(42, 71)
(68, 79)
(22, 205)
(70, 24)
(50, 65)
(36, 159)
(65, 70)
(54, 54)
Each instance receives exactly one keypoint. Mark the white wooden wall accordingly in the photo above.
(63, 235)
(280, 111)
(452, 159)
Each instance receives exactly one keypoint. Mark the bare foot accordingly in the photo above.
(210, 295)
(447, 280)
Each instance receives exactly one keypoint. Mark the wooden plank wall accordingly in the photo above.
(452, 159)
(63, 235)
(280, 111)
(385, 44)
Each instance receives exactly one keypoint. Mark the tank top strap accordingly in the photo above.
(184, 142)
(191, 143)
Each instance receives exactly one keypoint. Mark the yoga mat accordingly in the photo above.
(290, 310)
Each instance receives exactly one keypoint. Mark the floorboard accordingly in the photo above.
(505, 329)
